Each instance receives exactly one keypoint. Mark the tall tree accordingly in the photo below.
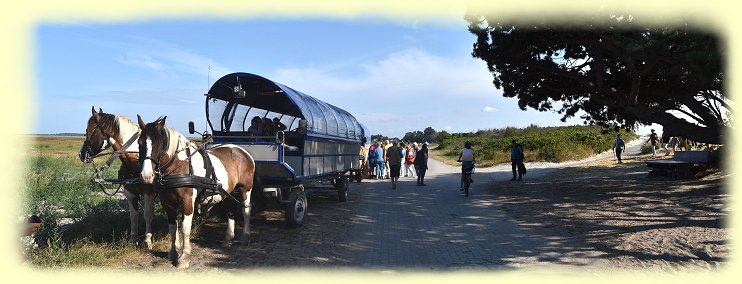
(618, 74)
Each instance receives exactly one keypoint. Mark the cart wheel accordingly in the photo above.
(296, 209)
(342, 187)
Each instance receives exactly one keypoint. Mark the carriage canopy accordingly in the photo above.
(238, 95)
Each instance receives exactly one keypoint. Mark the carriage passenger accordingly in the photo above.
(277, 125)
(268, 127)
(255, 128)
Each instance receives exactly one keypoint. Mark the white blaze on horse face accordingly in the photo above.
(147, 174)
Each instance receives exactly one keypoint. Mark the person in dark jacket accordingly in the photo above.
(421, 164)
(394, 158)
(619, 147)
(516, 158)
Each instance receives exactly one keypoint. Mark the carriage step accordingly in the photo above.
(271, 191)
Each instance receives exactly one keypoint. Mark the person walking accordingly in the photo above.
(380, 171)
(409, 160)
(372, 157)
(653, 139)
(421, 164)
(386, 146)
(665, 141)
(394, 158)
(619, 147)
(516, 158)
(402, 170)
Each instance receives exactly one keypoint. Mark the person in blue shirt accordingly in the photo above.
(619, 147)
(380, 171)
(516, 158)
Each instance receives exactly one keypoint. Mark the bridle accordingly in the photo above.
(114, 154)
(86, 143)
(158, 168)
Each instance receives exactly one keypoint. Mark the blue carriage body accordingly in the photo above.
(321, 140)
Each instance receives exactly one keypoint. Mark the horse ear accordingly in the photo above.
(100, 110)
(95, 114)
(161, 120)
(141, 122)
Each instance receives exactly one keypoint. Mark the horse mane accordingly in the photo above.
(175, 139)
(126, 127)
(120, 124)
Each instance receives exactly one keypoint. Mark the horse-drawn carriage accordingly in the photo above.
(296, 140)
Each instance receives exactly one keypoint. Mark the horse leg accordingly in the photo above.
(229, 236)
(149, 202)
(172, 221)
(184, 260)
(133, 201)
(246, 216)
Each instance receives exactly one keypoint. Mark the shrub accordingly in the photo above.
(552, 144)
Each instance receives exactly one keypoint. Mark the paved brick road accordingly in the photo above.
(412, 228)
(438, 227)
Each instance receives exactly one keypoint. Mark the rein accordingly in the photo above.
(115, 154)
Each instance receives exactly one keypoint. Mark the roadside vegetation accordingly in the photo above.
(540, 144)
(81, 226)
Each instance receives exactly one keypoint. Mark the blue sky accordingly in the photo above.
(394, 77)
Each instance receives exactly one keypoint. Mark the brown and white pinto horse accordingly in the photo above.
(109, 130)
(164, 154)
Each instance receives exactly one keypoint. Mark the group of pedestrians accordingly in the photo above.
(668, 143)
(389, 160)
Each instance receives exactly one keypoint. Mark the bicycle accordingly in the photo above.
(466, 178)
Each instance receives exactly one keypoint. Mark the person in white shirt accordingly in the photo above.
(466, 157)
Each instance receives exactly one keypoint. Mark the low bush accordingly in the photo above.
(549, 144)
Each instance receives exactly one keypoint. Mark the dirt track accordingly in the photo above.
(593, 215)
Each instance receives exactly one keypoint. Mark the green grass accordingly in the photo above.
(58, 189)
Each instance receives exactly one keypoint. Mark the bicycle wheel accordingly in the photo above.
(466, 185)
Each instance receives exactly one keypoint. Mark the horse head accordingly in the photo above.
(154, 147)
(99, 134)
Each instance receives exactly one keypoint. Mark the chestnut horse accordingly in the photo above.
(168, 155)
(109, 130)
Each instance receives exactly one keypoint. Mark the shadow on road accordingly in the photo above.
(573, 216)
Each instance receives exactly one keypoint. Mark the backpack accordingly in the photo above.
(372, 155)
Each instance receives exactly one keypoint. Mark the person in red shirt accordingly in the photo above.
(653, 139)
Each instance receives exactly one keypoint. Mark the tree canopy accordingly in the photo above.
(617, 75)
(427, 135)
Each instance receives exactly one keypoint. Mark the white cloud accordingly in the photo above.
(489, 109)
(407, 73)
(410, 89)
(139, 59)
(169, 59)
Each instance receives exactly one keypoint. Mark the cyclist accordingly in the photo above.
(466, 157)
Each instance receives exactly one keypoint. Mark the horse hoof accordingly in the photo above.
(146, 246)
(183, 264)
(227, 244)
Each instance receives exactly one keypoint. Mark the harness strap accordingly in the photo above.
(123, 148)
(200, 183)
(190, 165)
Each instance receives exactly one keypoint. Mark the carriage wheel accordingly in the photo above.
(296, 209)
(342, 186)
